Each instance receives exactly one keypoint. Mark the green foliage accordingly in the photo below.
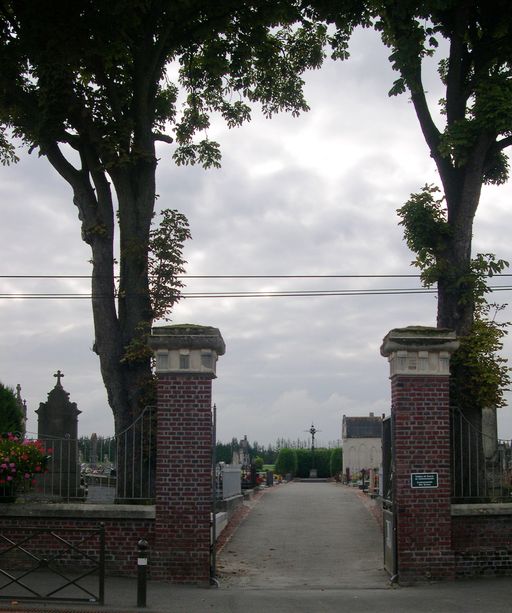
(426, 231)
(286, 463)
(322, 462)
(166, 262)
(480, 375)
(336, 461)
(303, 462)
(10, 413)
(258, 463)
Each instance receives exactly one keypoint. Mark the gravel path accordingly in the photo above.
(308, 535)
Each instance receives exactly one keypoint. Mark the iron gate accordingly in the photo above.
(388, 507)
(30, 574)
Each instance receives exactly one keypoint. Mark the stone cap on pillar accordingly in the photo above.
(419, 350)
(186, 348)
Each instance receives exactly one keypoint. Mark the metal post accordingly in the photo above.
(142, 565)
(213, 529)
(101, 596)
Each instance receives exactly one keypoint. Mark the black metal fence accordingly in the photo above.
(114, 469)
(65, 564)
(481, 463)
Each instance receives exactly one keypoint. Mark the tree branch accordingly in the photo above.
(503, 143)
(457, 68)
(157, 136)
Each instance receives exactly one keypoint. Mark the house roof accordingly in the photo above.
(362, 427)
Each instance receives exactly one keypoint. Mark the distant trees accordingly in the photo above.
(298, 462)
(268, 453)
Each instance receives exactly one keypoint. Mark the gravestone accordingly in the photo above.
(57, 427)
(22, 405)
(94, 449)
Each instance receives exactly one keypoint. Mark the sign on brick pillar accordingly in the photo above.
(185, 358)
(419, 360)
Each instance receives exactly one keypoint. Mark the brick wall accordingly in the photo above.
(420, 409)
(482, 544)
(184, 478)
(121, 538)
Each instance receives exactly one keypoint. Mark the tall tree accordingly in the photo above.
(93, 86)
(477, 108)
(474, 41)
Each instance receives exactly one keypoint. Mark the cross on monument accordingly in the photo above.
(59, 376)
(312, 431)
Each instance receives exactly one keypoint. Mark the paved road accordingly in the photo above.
(308, 535)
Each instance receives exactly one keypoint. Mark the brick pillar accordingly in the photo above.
(419, 360)
(185, 366)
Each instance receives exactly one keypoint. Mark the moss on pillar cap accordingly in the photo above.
(419, 338)
(187, 336)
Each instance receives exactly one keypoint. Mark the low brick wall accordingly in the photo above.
(482, 539)
(124, 525)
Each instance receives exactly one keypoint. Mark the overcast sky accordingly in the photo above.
(314, 195)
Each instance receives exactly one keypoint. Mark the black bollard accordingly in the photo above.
(142, 566)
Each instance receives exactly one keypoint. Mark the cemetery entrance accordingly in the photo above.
(307, 535)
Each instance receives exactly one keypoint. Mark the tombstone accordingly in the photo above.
(22, 405)
(94, 449)
(57, 427)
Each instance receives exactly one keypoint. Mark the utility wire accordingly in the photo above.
(249, 294)
(226, 276)
(393, 276)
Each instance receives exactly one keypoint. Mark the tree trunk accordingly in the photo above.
(120, 332)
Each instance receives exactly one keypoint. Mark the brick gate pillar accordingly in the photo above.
(185, 358)
(419, 361)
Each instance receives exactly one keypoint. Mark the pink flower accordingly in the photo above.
(9, 478)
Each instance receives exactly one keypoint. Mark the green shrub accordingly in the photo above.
(336, 464)
(323, 463)
(303, 463)
(10, 414)
(286, 463)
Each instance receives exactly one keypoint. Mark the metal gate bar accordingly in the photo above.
(45, 562)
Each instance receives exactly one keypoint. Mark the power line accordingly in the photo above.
(333, 276)
(250, 294)
(390, 276)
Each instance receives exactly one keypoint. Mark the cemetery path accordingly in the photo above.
(307, 535)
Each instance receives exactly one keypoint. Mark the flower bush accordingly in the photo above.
(20, 460)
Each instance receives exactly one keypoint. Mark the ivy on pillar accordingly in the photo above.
(185, 361)
(419, 359)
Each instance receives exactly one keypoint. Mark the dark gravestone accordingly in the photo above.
(57, 427)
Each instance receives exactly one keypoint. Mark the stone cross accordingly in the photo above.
(59, 376)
